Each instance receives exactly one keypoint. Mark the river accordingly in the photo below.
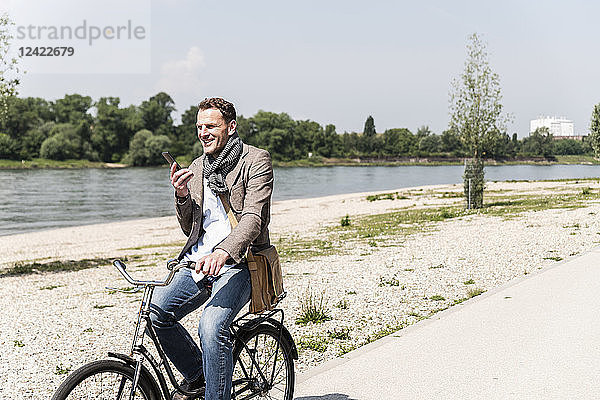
(50, 198)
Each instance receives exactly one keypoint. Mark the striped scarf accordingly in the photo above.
(216, 169)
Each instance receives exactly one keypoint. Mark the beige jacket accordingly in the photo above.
(250, 186)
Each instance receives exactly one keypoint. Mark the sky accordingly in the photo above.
(338, 61)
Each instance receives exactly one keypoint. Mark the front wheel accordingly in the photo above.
(103, 379)
(271, 374)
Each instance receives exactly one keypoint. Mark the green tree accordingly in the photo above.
(333, 142)
(156, 114)
(594, 137)
(33, 139)
(366, 143)
(138, 154)
(430, 144)
(476, 111)
(72, 109)
(186, 134)
(450, 143)
(399, 142)
(567, 147)
(113, 128)
(24, 115)
(65, 143)
(9, 70)
(8, 146)
(538, 144)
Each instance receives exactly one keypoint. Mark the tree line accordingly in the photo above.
(76, 127)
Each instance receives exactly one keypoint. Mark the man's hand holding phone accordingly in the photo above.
(180, 179)
(179, 176)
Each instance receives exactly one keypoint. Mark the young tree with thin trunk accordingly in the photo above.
(476, 115)
(595, 131)
(8, 65)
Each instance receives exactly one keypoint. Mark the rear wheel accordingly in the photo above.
(103, 379)
(271, 376)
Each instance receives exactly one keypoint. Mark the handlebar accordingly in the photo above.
(172, 265)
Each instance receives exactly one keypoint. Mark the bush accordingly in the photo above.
(33, 139)
(475, 173)
(8, 147)
(313, 308)
(64, 143)
(137, 147)
(155, 145)
(567, 147)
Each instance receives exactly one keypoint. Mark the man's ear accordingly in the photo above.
(231, 127)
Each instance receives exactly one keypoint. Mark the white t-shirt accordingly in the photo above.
(216, 228)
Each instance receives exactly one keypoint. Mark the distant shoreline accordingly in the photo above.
(40, 163)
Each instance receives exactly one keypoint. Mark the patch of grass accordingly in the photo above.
(51, 287)
(388, 281)
(18, 343)
(553, 258)
(102, 306)
(474, 292)
(126, 288)
(313, 308)
(516, 204)
(45, 163)
(414, 314)
(61, 370)
(469, 282)
(313, 343)
(450, 195)
(296, 248)
(387, 330)
(387, 196)
(405, 221)
(437, 297)
(88, 330)
(346, 348)
(341, 334)
(351, 292)
(409, 269)
(342, 304)
(55, 266)
(437, 266)
(585, 191)
(345, 221)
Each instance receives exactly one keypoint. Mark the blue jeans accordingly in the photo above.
(171, 303)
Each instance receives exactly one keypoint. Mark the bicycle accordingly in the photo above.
(263, 355)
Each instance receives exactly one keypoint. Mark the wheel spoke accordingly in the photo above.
(265, 365)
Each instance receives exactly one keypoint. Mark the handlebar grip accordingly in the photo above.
(119, 263)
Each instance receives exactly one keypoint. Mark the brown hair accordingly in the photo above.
(227, 109)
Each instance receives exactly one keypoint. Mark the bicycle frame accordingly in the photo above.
(139, 352)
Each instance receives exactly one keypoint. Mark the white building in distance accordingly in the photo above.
(558, 127)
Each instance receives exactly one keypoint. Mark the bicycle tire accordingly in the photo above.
(106, 376)
(262, 340)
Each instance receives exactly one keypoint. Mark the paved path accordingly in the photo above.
(534, 338)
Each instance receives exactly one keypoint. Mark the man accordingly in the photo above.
(243, 174)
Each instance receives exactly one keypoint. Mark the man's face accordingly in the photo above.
(213, 131)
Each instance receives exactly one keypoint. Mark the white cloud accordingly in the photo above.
(182, 77)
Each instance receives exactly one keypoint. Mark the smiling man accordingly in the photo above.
(244, 175)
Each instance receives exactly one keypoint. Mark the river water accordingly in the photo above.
(32, 200)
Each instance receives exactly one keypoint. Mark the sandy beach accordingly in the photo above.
(371, 283)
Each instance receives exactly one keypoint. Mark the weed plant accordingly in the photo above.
(313, 308)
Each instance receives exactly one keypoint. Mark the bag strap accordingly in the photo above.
(233, 221)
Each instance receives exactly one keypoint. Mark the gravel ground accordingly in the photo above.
(54, 322)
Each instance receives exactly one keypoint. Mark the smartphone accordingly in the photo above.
(171, 160)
